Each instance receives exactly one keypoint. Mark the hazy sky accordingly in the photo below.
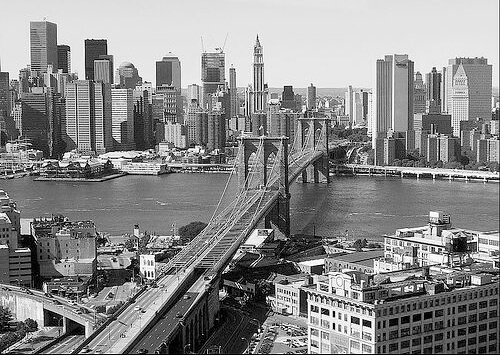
(330, 43)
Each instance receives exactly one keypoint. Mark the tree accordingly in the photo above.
(191, 230)
(31, 325)
(359, 244)
(5, 318)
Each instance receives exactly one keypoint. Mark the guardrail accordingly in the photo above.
(109, 320)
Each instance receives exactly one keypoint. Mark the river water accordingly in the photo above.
(366, 207)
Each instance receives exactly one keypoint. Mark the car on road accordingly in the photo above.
(137, 308)
(86, 349)
(186, 297)
(178, 315)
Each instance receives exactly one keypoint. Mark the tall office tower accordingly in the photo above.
(212, 74)
(102, 118)
(127, 76)
(5, 102)
(172, 104)
(194, 93)
(143, 119)
(248, 102)
(93, 49)
(122, 115)
(357, 108)
(35, 119)
(433, 96)
(103, 69)
(193, 135)
(233, 92)
(348, 109)
(88, 117)
(258, 78)
(168, 71)
(311, 97)
(369, 115)
(418, 94)
(43, 45)
(394, 95)
(474, 81)
(64, 58)
(57, 146)
(288, 98)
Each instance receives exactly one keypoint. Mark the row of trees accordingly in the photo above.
(13, 331)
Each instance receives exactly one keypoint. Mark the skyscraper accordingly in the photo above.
(4, 94)
(122, 113)
(394, 95)
(288, 98)
(433, 96)
(35, 119)
(43, 45)
(233, 91)
(212, 74)
(64, 58)
(348, 108)
(418, 94)
(93, 49)
(258, 78)
(127, 76)
(311, 97)
(88, 117)
(194, 93)
(168, 71)
(103, 69)
(472, 84)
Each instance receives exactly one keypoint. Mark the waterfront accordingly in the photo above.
(366, 207)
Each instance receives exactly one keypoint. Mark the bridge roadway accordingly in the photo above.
(57, 305)
(210, 250)
(437, 172)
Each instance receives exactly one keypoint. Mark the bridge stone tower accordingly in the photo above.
(312, 134)
(258, 157)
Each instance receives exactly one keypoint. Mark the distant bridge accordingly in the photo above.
(402, 171)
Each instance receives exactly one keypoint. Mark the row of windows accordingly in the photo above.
(440, 312)
(439, 348)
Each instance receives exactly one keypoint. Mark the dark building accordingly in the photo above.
(433, 83)
(35, 120)
(288, 98)
(4, 94)
(168, 71)
(93, 49)
(434, 123)
(43, 45)
(143, 122)
(64, 58)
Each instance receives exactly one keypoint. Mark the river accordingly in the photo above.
(366, 207)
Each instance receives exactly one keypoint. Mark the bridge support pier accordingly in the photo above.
(279, 216)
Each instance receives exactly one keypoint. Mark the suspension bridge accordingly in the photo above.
(264, 168)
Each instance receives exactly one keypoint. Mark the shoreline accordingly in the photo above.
(101, 179)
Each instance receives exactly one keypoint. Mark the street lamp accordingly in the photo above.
(248, 345)
(186, 346)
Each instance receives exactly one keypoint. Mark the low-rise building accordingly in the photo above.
(361, 261)
(289, 297)
(437, 243)
(63, 247)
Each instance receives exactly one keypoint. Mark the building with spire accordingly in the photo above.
(259, 101)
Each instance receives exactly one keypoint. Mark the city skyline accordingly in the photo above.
(333, 50)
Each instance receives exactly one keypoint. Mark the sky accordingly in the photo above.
(330, 43)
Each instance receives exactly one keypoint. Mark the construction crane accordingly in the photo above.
(221, 49)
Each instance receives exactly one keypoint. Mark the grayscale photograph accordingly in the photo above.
(249, 177)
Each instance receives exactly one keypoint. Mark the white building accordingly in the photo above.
(122, 113)
(147, 266)
(176, 133)
(451, 311)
